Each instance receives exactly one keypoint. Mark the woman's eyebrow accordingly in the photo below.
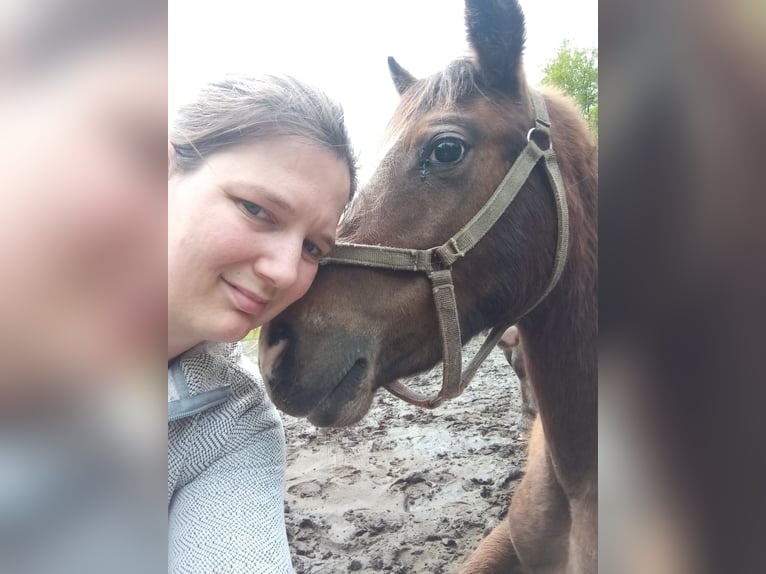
(270, 196)
(274, 199)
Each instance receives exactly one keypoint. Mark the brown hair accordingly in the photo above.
(242, 108)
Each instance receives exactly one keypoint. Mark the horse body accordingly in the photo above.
(359, 329)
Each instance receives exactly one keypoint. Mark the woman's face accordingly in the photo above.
(245, 232)
(83, 213)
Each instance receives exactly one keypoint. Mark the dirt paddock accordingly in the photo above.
(406, 490)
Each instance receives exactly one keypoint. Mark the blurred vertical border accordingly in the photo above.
(682, 312)
(83, 468)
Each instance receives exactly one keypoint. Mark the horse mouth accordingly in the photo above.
(341, 405)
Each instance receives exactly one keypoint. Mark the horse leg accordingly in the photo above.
(494, 555)
(515, 357)
(528, 405)
(535, 532)
(583, 539)
(539, 517)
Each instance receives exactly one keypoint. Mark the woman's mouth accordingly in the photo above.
(244, 300)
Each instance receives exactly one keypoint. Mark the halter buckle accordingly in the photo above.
(437, 260)
(448, 253)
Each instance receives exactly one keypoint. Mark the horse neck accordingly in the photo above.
(559, 340)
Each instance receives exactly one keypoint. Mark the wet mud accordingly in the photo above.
(406, 490)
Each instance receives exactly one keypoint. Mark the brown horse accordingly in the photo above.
(510, 344)
(456, 134)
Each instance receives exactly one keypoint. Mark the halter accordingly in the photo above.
(437, 262)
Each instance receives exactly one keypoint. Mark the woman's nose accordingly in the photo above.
(279, 264)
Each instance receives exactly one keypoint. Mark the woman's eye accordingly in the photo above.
(254, 209)
(312, 249)
(448, 150)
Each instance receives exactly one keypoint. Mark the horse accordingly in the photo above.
(510, 344)
(363, 327)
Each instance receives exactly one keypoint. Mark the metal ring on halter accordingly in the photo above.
(546, 134)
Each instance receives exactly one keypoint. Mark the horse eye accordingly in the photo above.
(448, 150)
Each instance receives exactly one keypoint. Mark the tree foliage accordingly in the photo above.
(575, 72)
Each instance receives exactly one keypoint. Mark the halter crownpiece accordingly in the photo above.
(437, 262)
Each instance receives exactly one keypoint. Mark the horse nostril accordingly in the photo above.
(275, 339)
(278, 331)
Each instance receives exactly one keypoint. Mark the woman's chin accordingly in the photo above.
(233, 329)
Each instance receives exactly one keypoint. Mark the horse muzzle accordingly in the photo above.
(328, 380)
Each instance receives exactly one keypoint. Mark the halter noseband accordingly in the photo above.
(437, 262)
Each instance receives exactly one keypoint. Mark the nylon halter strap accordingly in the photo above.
(437, 262)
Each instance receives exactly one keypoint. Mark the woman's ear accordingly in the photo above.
(171, 159)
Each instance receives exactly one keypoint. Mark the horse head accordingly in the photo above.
(455, 135)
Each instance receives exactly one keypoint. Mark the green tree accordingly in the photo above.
(575, 72)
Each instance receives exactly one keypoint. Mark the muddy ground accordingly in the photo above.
(406, 490)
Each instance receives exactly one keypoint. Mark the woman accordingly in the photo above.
(260, 171)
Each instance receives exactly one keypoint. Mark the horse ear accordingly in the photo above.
(496, 35)
(401, 77)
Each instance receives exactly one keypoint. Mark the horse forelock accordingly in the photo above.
(441, 91)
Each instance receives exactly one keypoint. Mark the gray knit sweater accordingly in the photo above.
(226, 466)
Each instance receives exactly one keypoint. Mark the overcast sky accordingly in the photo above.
(342, 45)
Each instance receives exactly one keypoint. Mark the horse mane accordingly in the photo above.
(577, 156)
(443, 90)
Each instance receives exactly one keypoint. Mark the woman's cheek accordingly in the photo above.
(308, 272)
